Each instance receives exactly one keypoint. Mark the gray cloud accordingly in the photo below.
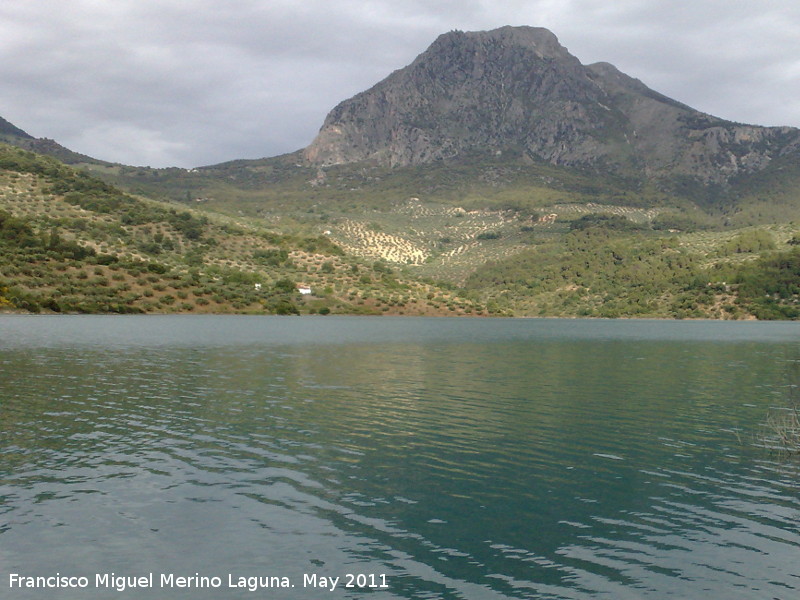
(168, 82)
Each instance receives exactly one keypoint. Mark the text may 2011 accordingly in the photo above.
(121, 583)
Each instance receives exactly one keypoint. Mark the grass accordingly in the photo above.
(782, 431)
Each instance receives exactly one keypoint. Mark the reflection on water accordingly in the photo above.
(524, 464)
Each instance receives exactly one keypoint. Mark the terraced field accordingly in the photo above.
(570, 211)
(448, 242)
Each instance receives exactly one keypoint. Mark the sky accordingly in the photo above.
(189, 83)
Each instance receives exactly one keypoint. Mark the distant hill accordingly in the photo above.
(13, 135)
(9, 132)
(517, 90)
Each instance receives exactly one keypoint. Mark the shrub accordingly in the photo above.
(284, 306)
(273, 256)
(285, 285)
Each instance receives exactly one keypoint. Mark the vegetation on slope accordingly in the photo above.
(599, 272)
(770, 286)
(287, 183)
(72, 243)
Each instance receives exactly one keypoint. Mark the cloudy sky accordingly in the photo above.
(195, 82)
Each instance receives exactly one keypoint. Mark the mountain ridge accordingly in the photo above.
(14, 136)
(504, 118)
(518, 87)
(517, 92)
(9, 130)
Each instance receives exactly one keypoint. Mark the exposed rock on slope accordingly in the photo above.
(518, 89)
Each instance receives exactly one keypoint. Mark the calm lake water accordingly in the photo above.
(444, 458)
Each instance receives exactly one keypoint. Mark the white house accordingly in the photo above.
(304, 289)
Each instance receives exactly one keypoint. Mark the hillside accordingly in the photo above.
(71, 243)
(14, 136)
(607, 267)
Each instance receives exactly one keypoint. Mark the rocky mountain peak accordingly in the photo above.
(510, 87)
(542, 42)
(518, 88)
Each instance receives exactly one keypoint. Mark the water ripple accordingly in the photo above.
(573, 468)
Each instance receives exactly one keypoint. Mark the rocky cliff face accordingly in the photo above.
(517, 89)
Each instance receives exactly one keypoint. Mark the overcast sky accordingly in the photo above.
(195, 82)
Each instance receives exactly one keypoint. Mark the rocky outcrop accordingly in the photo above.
(519, 89)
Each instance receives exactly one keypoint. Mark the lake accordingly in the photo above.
(218, 457)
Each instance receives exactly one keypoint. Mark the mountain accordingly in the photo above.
(517, 90)
(13, 135)
(9, 132)
(494, 175)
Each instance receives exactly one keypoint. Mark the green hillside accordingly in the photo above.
(288, 182)
(526, 240)
(596, 271)
(72, 243)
